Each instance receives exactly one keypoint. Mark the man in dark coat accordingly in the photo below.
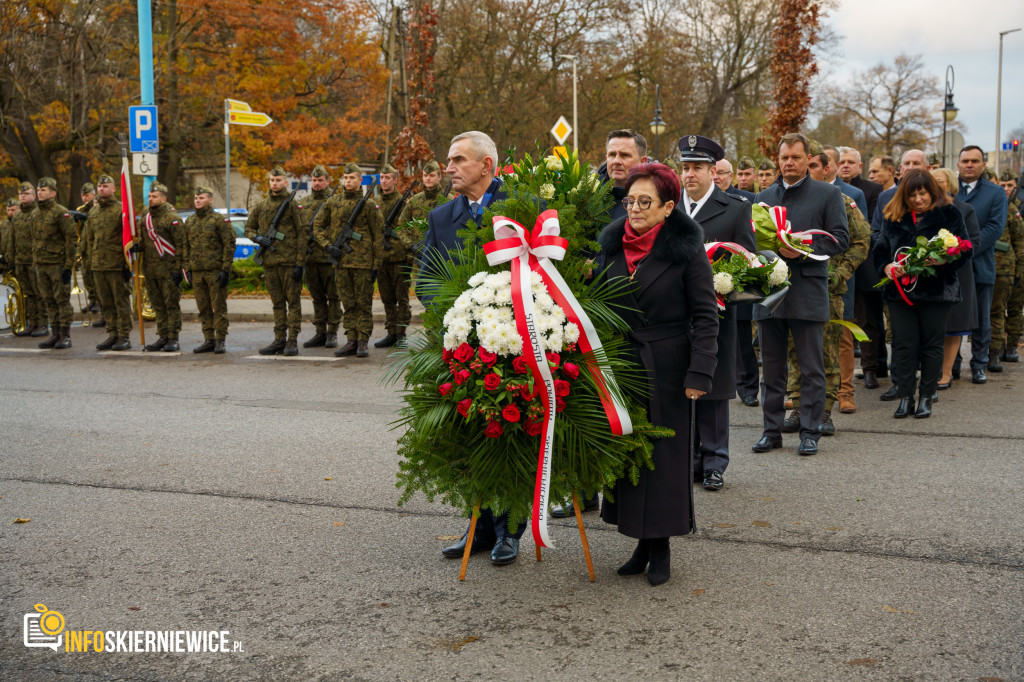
(850, 168)
(990, 205)
(724, 218)
(723, 176)
(623, 149)
(810, 205)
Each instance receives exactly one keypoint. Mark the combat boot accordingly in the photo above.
(362, 351)
(994, 364)
(123, 343)
(348, 349)
(332, 340)
(1010, 354)
(54, 338)
(276, 348)
(27, 331)
(291, 348)
(387, 341)
(318, 341)
(172, 345)
(205, 347)
(65, 339)
(38, 330)
(218, 347)
(107, 344)
(99, 323)
(156, 345)
(400, 341)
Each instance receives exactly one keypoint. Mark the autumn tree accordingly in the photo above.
(412, 148)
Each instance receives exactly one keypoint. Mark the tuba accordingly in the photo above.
(14, 303)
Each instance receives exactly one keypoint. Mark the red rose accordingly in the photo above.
(493, 429)
(553, 359)
(561, 388)
(446, 388)
(446, 355)
(532, 428)
(520, 365)
(463, 407)
(570, 370)
(461, 376)
(492, 381)
(559, 404)
(953, 250)
(487, 356)
(966, 245)
(526, 393)
(510, 413)
(464, 353)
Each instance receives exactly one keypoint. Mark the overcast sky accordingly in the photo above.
(962, 34)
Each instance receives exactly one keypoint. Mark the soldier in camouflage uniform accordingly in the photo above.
(1009, 267)
(320, 278)
(766, 173)
(413, 221)
(746, 175)
(208, 250)
(159, 240)
(20, 253)
(53, 251)
(840, 270)
(6, 241)
(1015, 304)
(103, 249)
(92, 299)
(355, 269)
(394, 277)
(284, 259)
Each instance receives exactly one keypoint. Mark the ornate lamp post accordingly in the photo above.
(657, 125)
(948, 111)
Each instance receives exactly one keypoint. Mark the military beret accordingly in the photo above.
(158, 187)
(88, 188)
(104, 179)
(319, 172)
(431, 167)
(388, 168)
(745, 163)
(934, 160)
(353, 168)
(766, 165)
(47, 182)
(990, 174)
(25, 187)
(816, 148)
(1007, 176)
(277, 171)
(699, 148)
(12, 202)
(200, 189)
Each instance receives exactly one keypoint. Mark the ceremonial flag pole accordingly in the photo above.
(128, 233)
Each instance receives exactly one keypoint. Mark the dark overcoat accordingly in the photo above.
(674, 318)
(726, 218)
(963, 316)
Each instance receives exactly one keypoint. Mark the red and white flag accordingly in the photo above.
(127, 211)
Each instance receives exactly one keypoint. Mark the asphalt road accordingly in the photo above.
(254, 496)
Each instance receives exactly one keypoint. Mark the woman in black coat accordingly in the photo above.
(918, 209)
(672, 311)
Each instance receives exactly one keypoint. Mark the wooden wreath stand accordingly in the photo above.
(579, 524)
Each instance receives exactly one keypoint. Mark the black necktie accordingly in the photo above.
(474, 206)
(693, 208)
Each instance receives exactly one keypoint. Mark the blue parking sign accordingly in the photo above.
(143, 132)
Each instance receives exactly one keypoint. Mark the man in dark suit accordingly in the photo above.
(803, 313)
(990, 205)
(623, 149)
(722, 177)
(850, 169)
(724, 218)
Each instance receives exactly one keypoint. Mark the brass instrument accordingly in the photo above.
(77, 290)
(148, 313)
(14, 306)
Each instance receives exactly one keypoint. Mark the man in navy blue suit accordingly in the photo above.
(990, 205)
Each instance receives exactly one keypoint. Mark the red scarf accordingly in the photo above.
(636, 246)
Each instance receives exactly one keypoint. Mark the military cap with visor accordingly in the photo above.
(699, 148)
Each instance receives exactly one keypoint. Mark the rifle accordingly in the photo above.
(79, 216)
(347, 234)
(271, 232)
(389, 232)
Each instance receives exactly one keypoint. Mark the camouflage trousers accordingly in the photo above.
(165, 299)
(115, 301)
(212, 301)
(833, 336)
(997, 315)
(55, 295)
(323, 288)
(35, 311)
(356, 288)
(1015, 313)
(89, 280)
(393, 281)
(284, 297)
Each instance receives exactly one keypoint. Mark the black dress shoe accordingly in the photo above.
(638, 562)
(826, 426)
(905, 408)
(808, 446)
(767, 443)
(978, 376)
(870, 380)
(505, 551)
(658, 570)
(892, 394)
(1010, 355)
(455, 551)
(943, 387)
(751, 401)
(924, 408)
(791, 424)
(712, 480)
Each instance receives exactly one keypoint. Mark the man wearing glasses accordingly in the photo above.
(722, 176)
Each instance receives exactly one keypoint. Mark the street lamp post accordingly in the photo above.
(999, 96)
(657, 125)
(575, 123)
(948, 110)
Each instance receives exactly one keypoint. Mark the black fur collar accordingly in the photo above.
(678, 242)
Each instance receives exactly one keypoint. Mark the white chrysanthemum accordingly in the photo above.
(461, 326)
(514, 345)
(572, 333)
(493, 282)
(547, 191)
(487, 314)
(544, 302)
(464, 302)
(503, 279)
(723, 283)
(555, 339)
(503, 296)
(477, 279)
(450, 341)
(505, 315)
(553, 163)
(779, 273)
(483, 295)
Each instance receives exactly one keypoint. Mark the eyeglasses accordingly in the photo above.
(643, 202)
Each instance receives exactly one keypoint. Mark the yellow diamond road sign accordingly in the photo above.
(249, 118)
(236, 105)
(561, 130)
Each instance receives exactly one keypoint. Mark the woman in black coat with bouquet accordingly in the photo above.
(672, 312)
(918, 209)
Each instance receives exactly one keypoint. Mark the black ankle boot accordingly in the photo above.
(924, 408)
(638, 562)
(905, 409)
(658, 572)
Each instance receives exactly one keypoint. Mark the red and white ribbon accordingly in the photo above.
(163, 247)
(731, 247)
(532, 252)
(784, 231)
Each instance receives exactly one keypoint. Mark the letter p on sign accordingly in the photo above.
(144, 132)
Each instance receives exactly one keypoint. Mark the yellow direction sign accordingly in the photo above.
(561, 130)
(236, 105)
(560, 152)
(249, 118)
